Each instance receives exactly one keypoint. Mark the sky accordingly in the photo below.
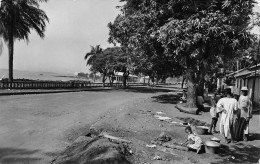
(74, 26)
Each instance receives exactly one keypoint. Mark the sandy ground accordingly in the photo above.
(135, 121)
(35, 128)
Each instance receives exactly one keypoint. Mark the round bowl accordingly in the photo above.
(201, 130)
(212, 147)
(215, 139)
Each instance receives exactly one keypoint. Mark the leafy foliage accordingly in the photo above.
(21, 16)
(184, 36)
(17, 19)
(92, 55)
(134, 30)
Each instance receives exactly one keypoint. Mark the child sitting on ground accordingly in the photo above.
(194, 142)
(214, 114)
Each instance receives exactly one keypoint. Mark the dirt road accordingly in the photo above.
(33, 128)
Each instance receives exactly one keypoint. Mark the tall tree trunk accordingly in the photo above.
(11, 57)
(103, 80)
(110, 80)
(125, 76)
(113, 79)
(124, 81)
(192, 85)
(11, 47)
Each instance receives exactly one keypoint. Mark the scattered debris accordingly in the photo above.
(193, 122)
(166, 150)
(147, 112)
(157, 157)
(151, 146)
(180, 123)
(160, 113)
(113, 138)
(175, 146)
(161, 139)
(162, 117)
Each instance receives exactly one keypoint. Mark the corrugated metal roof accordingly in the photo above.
(244, 72)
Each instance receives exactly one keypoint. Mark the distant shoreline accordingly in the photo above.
(39, 76)
(66, 76)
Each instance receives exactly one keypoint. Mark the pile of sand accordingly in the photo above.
(94, 151)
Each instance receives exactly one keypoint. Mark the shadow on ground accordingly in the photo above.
(254, 137)
(239, 153)
(11, 155)
(145, 90)
(193, 121)
(167, 99)
(256, 112)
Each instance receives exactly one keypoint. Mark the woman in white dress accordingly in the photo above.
(227, 106)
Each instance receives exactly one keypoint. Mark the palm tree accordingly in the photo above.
(17, 19)
(92, 55)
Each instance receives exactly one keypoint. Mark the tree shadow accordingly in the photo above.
(170, 86)
(193, 122)
(254, 137)
(256, 112)
(145, 90)
(239, 153)
(167, 99)
(11, 155)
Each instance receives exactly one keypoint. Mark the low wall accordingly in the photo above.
(52, 85)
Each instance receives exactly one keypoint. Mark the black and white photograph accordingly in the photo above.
(129, 81)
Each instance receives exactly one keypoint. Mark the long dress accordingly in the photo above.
(245, 111)
(226, 120)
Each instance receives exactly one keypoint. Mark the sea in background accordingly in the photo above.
(19, 74)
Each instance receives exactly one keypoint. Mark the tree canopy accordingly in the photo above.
(17, 19)
(190, 36)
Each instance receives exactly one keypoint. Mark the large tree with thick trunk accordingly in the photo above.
(210, 32)
(17, 19)
(194, 35)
